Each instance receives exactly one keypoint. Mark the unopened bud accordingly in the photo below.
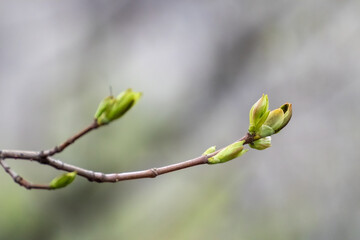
(276, 120)
(230, 152)
(113, 108)
(261, 144)
(258, 114)
(104, 106)
(63, 180)
(209, 150)
(287, 109)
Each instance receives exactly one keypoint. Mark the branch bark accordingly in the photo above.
(71, 140)
(20, 180)
(43, 157)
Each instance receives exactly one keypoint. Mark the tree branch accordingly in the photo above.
(102, 177)
(20, 180)
(61, 147)
(263, 124)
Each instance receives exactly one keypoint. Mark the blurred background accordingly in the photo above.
(200, 65)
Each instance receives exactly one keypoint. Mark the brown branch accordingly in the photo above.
(71, 140)
(44, 157)
(20, 180)
(110, 177)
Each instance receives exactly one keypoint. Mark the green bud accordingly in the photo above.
(265, 131)
(209, 150)
(287, 109)
(261, 144)
(276, 120)
(113, 108)
(258, 114)
(230, 152)
(123, 103)
(104, 106)
(63, 180)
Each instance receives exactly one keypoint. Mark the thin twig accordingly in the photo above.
(20, 180)
(44, 157)
(112, 177)
(61, 147)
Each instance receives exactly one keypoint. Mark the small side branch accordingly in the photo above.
(20, 180)
(71, 140)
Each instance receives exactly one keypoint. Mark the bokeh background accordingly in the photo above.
(201, 65)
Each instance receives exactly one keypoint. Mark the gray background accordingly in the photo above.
(201, 65)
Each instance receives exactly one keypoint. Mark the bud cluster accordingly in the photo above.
(265, 123)
(112, 108)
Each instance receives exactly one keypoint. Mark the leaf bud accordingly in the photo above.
(209, 150)
(63, 180)
(228, 153)
(258, 114)
(261, 144)
(276, 120)
(113, 108)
